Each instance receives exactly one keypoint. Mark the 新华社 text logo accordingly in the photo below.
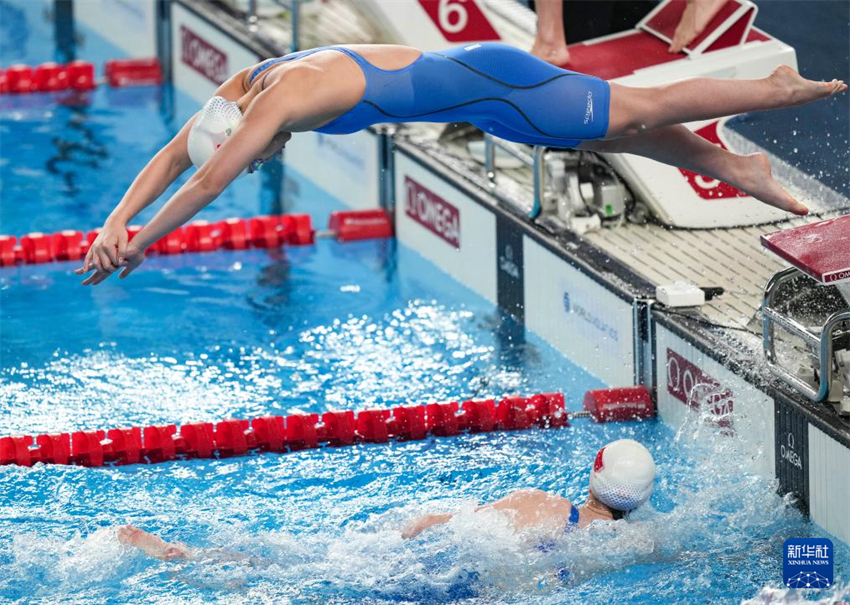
(807, 563)
(432, 212)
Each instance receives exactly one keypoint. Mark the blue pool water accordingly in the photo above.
(204, 337)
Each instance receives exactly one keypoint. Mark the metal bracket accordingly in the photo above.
(821, 344)
(535, 161)
(643, 342)
(386, 167)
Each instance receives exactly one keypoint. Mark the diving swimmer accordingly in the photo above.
(500, 89)
(621, 480)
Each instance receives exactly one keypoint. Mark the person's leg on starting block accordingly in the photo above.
(678, 146)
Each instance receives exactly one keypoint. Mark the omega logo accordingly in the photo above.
(789, 454)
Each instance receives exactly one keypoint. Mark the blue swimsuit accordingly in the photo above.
(572, 525)
(573, 522)
(500, 89)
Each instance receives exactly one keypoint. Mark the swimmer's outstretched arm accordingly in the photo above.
(261, 122)
(152, 545)
(419, 525)
(250, 138)
(289, 104)
(108, 250)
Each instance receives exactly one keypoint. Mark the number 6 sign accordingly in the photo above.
(459, 20)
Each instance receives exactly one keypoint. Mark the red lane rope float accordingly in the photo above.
(238, 437)
(203, 236)
(78, 75)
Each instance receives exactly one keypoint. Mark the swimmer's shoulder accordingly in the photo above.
(536, 498)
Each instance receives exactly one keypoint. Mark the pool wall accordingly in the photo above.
(587, 305)
(129, 25)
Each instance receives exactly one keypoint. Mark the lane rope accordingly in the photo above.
(239, 437)
(79, 76)
(269, 231)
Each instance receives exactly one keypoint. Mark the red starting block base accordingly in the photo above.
(624, 54)
(820, 250)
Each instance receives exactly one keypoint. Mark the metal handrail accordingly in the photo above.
(252, 19)
(251, 16)
(535, 161)
(295, 10)
(822, 344)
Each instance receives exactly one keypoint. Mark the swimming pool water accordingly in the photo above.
(330, 326)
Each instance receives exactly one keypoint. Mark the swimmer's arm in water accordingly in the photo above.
(107, 252)
(422, 523)
(152, 545)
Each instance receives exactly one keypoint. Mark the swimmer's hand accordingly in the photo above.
(152, 545)
(106, 253)
(134, 257)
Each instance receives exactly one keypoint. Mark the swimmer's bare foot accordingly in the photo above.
(698, 14)
(150, 544)
(556, 54)
(756, 179)
(794, 89)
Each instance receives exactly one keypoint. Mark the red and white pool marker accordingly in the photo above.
(78, 76)
(238, 437)
(270, 231)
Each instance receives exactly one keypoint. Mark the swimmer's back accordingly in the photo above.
(501, 89)
(535, 508)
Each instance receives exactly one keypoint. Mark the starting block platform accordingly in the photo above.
(820, 250)
(625, 54)
(822, 331)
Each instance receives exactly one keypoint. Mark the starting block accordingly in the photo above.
(730, 47)
(819, 254)
(820, 250)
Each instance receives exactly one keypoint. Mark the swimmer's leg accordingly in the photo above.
(636, 110)
(551, 43)
(678, 146)
(152, 545)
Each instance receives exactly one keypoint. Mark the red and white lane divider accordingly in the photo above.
(269, 231)
(78, 75)
(237, 437)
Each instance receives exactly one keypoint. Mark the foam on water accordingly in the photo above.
(359, 362)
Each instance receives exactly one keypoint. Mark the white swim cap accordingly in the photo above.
(623, 475)
(215, 122)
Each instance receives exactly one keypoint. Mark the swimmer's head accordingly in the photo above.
(623, 475)
(215, 122)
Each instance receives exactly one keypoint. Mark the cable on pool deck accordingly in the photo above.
(239, 437)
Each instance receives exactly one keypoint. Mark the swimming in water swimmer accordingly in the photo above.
(621, 480)
(623, 475)
(500, 89)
